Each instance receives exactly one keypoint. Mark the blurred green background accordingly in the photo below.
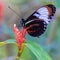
(49, 41)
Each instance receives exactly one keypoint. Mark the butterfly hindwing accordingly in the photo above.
(36, 27)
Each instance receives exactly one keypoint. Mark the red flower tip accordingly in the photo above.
(20, 35)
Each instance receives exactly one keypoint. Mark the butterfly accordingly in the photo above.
(36, 23)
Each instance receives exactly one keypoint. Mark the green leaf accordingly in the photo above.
(31, 51)
(9, 41)
(38, 51)
(2, 43)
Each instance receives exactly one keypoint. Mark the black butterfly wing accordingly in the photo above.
(36, 28)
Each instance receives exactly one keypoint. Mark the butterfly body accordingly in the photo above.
(36, 23)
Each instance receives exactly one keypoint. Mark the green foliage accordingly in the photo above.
(8, 42)
(57, 3)
(38, 51)
(31, 51)
(46, 1)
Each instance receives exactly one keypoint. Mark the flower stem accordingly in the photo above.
(20, 50)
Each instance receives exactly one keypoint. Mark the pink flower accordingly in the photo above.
(20, 36)
(1, 11)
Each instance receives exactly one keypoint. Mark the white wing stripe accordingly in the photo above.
(37, 15)
(43, 11)
(29, 21)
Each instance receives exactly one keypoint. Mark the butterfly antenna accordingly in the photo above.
(14, 11)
